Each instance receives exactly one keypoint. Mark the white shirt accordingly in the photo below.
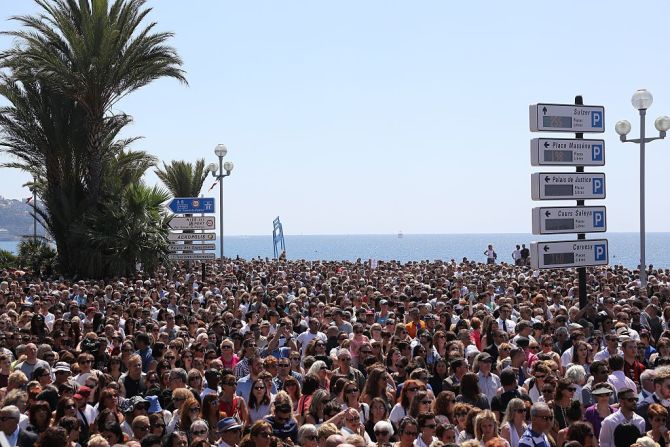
(509, 325)
(488, 385)
(306, 337)
(605, 354)
(620, 382)
(13, 438)
(612, 421)
(419, 442)
(566, 357)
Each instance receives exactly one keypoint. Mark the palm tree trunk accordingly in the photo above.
(94, 174)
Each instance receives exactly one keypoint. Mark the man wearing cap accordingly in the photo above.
(230, 432)
(488, 382)
(85, 412)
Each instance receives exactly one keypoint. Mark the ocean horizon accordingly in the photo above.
(623, 247)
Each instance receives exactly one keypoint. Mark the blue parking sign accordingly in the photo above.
(597, 119)
(598, 219)
(600, 252)
(597, 152)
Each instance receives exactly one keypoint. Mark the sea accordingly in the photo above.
(624, 248)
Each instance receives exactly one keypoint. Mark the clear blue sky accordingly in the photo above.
(379, 116)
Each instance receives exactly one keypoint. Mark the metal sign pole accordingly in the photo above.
(581, 271)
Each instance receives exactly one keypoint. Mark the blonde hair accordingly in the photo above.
(481, 417)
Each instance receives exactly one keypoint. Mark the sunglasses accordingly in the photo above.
(545, 418)
(382, 433)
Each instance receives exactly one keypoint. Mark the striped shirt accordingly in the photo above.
(533, 439)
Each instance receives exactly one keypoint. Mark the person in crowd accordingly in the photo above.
(258, 342)
(624, 416)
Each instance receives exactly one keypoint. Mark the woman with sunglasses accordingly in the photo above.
(194, 381)
(378, 413)
(351, 395)
(65, 407)
(408, 430)
(292, 388)
(534, 384)
(565, 392)
(320, 369)
(230, 404)
(190, 411)
(157, 424)
(260, 402)
(461, 411)
(657, 416)
(258, 436)
(317, 404)
(186, 360)
(228, 356)
(401, 409)
(514, 422)
(595, 414)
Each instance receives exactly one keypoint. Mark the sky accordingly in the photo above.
(379, 116)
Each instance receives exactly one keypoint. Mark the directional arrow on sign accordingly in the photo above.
(546, 248)
(546, 145)
(191, 237)
(544, 110)
(547, 178)
(547, 213)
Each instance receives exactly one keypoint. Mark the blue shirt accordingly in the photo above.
(244, 387)
(533, 439)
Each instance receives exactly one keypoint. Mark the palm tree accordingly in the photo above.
(182, 178)
(94, 54)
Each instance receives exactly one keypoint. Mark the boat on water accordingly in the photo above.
(400, 235)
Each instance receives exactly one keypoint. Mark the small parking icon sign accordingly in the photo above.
(598, 219)
(600, 252)
(597, 119)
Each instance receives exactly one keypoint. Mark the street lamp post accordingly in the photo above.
(642, 100)
(220, 150)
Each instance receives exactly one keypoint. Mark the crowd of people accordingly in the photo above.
(337, 354)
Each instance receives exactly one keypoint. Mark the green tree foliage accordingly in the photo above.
(182, 178)
(7, 259)
(36, 255)
(69, 65)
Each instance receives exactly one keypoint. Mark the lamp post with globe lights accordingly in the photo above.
(220, 151)
(642, 100)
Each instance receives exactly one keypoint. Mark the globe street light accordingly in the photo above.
(220, 151)
(642, 100)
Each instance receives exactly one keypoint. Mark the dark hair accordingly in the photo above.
(113, 427)
(579, 431)
(423, 417)
(625, 435)
(310, 384)
(404, 422)
(34, 408)
(150, 440)
(470, 385)
(616, 364)
(53, 437)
